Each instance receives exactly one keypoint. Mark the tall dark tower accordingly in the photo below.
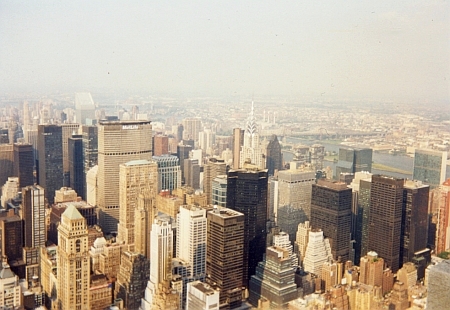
(76, 165)
(353, 160)
(274, 159)
(50, 157)
(385, 219)
(415, 223)
(247, 193)
(24, 163)
(182, 154)
(331, 211)
(90, 151)
(225, 253)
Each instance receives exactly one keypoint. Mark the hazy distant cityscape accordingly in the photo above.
(224, 155)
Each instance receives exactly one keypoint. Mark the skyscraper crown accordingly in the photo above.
(251, 127)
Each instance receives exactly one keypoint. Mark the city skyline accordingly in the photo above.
(383, 50)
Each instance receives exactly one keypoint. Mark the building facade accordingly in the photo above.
(247, 194)
(73, 261)
(118, 142)
(331, 208)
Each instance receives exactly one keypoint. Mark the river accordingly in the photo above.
(402, 162)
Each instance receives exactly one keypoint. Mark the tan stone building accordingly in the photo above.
(118, 142)
(73, 261)
(134, 177)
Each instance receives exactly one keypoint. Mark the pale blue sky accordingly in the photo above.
(345, 49)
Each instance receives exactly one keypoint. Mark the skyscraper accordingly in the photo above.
(85, 108)
(50, 156)
(225, 254)
(211, 170)
(90, 149)
(135, 177)
(182, 154)
(247, 193)
(191, 245)
(67, 131)
(439, 232)
(161, 243)
(352, 160)
(6, 162)
(238, 141)
(34, 230)
(73, 261)
(385, 219)
(430, 167)
(76, 165)
(219, 191)
(294, 197)
(360, 213)
(415, 219)
(274, 279)
(274, 157)
(318, 251)
(331, 208)
(169, 172)
(161, 145)
(438, 286)
(132, 279)
(118, 143)
(192, 126)
(24, 163)
(251, 149)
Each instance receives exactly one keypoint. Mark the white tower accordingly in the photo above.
(318, 251)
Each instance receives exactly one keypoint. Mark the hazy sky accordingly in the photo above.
(361, 49)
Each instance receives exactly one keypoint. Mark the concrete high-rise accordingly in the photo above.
(252, 151)
(135, 177)
(182, 154)
(225, 254)
(438, 286)
(132, 279)
(274, 280)
(34, 229)
(331, 208)
(238, 141)
(352, 160)
(85, 108)
(73, 261)
(50, 157)
(247, 193)
(169, 172)
(430, 167)
(118, 142)
(294, 197)
(385, 219)
(274, 157)
(201, 296)
(219, 191)
(24, 163)
(439, 227)
(6, 162)
(192, 127)
(371, 269)
(191, 245)
(211, 170)
(157, 290)
(318, 251)
(161, 145)
(301, 240)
